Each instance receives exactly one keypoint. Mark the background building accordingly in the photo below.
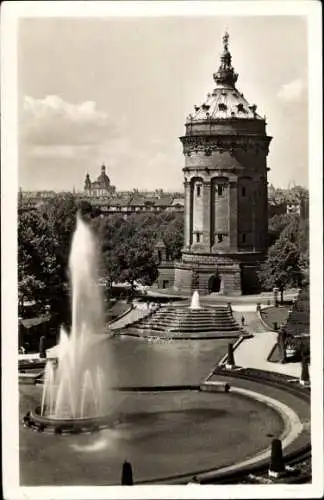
(103, 196)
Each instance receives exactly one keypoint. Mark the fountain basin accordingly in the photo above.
(167, 435)
(54, 425)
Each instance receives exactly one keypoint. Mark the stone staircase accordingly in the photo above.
(183, 322)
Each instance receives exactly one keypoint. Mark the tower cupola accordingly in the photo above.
(225, 101)
(225, 74)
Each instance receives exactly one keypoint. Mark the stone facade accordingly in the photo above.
(225, 181)
(166, 275)
(166, 266)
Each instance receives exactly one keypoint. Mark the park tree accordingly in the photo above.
(278, 223)
(44, 240)
(127, 248)
(39, 266)
(303, 247)
(135, 262)
(171, 231)
(128, 244)
(282, 268)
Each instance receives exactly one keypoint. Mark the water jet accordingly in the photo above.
(75, 388)
(195, 301)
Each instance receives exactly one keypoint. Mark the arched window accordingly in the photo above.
(198, 190)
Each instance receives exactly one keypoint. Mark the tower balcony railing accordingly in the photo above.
(222, 126)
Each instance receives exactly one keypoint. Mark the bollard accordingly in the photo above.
(275, 296)
(42, 347)
(127, 474)
(230, 363)
(281, 346)
(304, 377)
(277, 465)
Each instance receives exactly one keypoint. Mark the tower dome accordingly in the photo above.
(226, 102)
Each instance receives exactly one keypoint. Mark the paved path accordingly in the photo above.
(253, 353)
(216, 298)
(247, 307)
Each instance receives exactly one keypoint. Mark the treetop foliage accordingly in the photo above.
(127, 245)
(287, 260)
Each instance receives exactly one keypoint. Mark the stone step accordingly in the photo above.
(191, 320)
(180, 320)
(193, 316)
(197, 328)
(188, 325)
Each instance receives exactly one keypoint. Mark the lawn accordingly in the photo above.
(271, 315)
(115, 310)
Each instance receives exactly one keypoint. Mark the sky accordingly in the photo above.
(118, 90)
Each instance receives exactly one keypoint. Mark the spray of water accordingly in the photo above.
(75, 389)
(195, 300)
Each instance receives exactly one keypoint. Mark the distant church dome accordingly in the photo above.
(101, 186)
(103, 178)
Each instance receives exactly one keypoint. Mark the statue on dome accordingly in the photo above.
(225, 41)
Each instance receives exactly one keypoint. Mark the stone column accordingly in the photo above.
(187, 214)
(233, 214)
(206, 216)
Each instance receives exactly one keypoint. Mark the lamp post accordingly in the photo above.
(20, 332)
(42, 347)
(275, 296)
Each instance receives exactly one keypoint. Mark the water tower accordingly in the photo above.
(225, 179)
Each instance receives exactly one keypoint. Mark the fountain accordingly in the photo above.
(195, 300)
(140, 418)
(192, 321)
(75, 389)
